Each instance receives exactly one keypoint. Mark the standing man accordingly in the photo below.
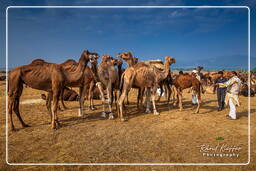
(221, 91)
(233, 86)
(195, 73)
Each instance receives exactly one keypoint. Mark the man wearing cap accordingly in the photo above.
(221, 91)
(233, 86)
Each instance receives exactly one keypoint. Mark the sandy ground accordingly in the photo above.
(172, 137)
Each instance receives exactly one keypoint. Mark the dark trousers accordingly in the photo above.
(221, 93)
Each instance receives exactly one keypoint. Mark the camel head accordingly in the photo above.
(170, 60)
(125, 55)
(88, 56)
(106, 58)
(113, 61)
(119, 62)
(93, 58)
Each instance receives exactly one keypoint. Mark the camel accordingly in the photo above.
(130, 60)
(143, 76)
(115, 62)
(89, 76)
(184, 81)
(108, 76)
(45, 76)
(164, 84)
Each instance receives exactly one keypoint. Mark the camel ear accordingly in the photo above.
(86, 52)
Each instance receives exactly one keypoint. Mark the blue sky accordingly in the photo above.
(213, 38)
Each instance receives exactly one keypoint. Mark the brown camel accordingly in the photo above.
(143, 76)
(89, 76)
(45, 76)
(108, 76)
(184, 81)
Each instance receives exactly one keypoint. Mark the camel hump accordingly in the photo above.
(37, 61)
(69, 62)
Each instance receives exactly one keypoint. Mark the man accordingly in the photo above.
(233, 86)
(195, 73)
(221, 91)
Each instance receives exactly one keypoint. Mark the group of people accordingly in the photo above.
(227, 92)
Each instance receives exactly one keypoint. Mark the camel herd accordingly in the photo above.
(109, 77)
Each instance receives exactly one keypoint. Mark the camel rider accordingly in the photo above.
(195, 73)
(233, 86)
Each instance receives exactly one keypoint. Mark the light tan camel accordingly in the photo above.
(46, 76)
(184, 81)
(130, 60)
(143, 76)
(108, 76)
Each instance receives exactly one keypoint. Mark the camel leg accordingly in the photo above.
(10, 108)
(55, 101)
(82, 91)
(120, 103)
(142, 96)
(148, 101)
(180, 100)
(161, 93)
(49, 104)
(153, 96)
(90, 96)
(62, 99)
(17, 112)
(127, 98)
(100, 87)
(109, 93)
(138, 98)
(169, 91)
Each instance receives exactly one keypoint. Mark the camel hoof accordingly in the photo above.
(111, 116)
(156, 113)
(14, 129)
(124, 120)
(80, 113)
(104, 115)
(147, 111)
(56, 125)
(84, 116)
(25, 126)
(92, 108)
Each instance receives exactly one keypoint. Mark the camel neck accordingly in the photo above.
(130, 62)
(95, 71)
(166, 68)
(75, 76)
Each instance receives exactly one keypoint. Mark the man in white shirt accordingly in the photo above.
(233, 86)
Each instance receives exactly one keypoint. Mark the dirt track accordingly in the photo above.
(171, 137)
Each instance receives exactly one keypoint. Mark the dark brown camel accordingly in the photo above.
(89, 76)
(46, 76)
(184, 81)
